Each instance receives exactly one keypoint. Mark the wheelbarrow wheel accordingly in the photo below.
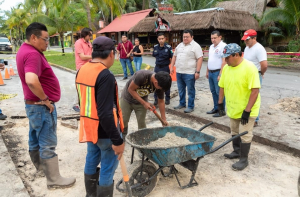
(134, 172)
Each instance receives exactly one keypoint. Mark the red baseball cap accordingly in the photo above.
(248, 33)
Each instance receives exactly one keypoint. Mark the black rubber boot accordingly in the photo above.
(236, 149)
(243, 162)
(105, 191)
(91, 182)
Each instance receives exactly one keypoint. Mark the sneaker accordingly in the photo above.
(167, 102)
(76, 108)
(188, 110)
(213, 111)
(124, 78)
(2, 116)
(179, 107)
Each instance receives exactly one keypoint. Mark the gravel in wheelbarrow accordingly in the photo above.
(167, 155)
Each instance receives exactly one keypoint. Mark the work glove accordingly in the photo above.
(221, 109)
(245, 117)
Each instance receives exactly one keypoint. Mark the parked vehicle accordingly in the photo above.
(5, 44)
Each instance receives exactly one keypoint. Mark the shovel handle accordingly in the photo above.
(158, 116)
(125, 176)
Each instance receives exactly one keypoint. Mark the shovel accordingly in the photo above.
(125, 176)
(157, 115)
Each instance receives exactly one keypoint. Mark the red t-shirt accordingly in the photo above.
(31, 60)
(128, 46)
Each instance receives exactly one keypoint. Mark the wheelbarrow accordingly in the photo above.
(143, 173)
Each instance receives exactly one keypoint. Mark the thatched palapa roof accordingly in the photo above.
(214, 18)
(255, 7)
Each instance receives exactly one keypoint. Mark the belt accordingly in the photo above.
(162, 66)
(29, 102)
(212, 71)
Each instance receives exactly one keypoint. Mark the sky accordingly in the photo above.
(7, 4)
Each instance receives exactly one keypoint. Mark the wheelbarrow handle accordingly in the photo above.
(205, 126)
(226, 142)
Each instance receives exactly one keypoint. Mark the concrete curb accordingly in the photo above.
(259, 139)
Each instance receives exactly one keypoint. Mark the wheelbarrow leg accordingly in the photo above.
(192, 182)
(132, 154)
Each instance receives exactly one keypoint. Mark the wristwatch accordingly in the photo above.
(197, 72)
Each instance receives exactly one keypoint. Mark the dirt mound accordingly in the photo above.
(288, 105)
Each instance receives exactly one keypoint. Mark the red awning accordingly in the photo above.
(56, 34)
(125, 22)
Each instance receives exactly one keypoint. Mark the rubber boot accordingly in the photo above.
(54, 179)
(105, 191)
(124, 133)
(91, 182)
(36, 160)
(243, 162)
(236, 149)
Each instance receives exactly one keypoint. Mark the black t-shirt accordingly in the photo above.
(136, 49)
(142, 78)
(105, 93)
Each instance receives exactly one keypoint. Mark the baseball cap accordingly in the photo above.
(230, 49)
(103, 43)
(249, 33)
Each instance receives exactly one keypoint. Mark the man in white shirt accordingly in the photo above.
(257, 54)
(187, 58)
(214, 69)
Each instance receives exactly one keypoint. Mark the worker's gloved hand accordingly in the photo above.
(221, 109)
(245, 117)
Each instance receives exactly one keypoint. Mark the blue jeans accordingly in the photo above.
(214, 88)
(0, 111)
(137, 63)
(42, 130)
(183, 81)
(101, 152)
(166, 69)
(128, 62)
(260, 79)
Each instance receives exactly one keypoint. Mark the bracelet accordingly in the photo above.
(47, 98)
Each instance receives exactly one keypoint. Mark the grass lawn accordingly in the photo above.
(68, 61)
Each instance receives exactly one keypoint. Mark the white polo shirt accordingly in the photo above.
(215, 56)
(187, 56)
(256, 54)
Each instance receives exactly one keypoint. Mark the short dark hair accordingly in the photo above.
(240, 54)
(164, 80)
(85, 32)
(36, 29)
(124, 35)
(161, 34)
(188, 31)
(101, 54)
(216, 32)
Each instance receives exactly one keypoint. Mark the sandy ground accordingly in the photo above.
(270, 173)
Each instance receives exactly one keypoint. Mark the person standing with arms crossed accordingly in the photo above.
(100, 119)
(83, 54)
(163, 54)
(188, 59)
(137, 52)
(240, 84)
(124, 50)
(41, 91)
(214, 69)
(257, 54)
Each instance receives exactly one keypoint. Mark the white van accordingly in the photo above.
(5, 45)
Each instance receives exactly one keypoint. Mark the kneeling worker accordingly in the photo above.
(100, 118)
(240, 82)
(135, 96)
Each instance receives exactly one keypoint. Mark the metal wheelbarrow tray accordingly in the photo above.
(143, 174)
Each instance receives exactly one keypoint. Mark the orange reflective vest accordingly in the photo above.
(85, 85)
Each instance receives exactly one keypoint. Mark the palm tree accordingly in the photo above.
(190, 5)
(288, 14)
